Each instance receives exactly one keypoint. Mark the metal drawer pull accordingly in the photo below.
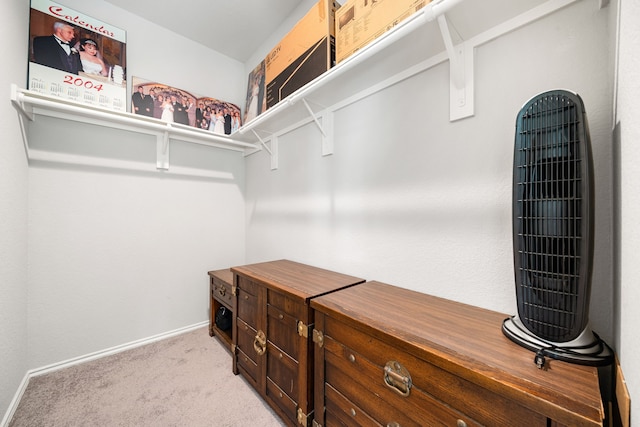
(461, 423)
(397, 378)
(260, 343)
(393, 424)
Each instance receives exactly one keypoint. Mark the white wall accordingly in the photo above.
(116, 255)
(628, 133)
(13, 215)
(412, 199)
(119, 254)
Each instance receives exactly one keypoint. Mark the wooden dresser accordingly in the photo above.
(393, 357)
(221, 294)
(272, 345)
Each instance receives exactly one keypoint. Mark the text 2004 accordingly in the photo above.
(77, 81)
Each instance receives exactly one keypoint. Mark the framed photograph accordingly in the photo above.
(76, 57)
(256, 102)
(174, 105)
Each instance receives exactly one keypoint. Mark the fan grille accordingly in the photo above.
(552, 216)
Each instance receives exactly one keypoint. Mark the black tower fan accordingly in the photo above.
(553, 231)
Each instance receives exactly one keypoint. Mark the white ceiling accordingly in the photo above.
(235, 28)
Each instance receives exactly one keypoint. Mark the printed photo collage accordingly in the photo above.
(76, 57)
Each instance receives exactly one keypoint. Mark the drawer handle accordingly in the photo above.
(222, 290)
(393, 424)
(397, 378)
(260, 343)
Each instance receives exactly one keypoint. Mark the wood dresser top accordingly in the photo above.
(225, 275)
(468, 342)
(296, 279)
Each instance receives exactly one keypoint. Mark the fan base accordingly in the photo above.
(587, 349)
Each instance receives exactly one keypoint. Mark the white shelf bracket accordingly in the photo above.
(461, 81)
(162, 150)
(23, 112)
(264, 144)
(313, 116)
(273, 151)
(327, 136)
(18, 102)
(326, 128)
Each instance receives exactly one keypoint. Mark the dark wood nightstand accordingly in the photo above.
(221, 295)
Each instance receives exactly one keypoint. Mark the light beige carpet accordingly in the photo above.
(185, 380)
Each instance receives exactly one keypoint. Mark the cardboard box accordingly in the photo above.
(306, 52)
(359, 22)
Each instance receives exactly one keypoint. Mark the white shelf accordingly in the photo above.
(444, 30)
(31, 104)
(414, 45)
(394, 52)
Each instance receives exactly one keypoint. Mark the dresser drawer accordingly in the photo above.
(341, 411)
(282, 330)
(282, 370)
(362, 383)
(248, 285)
(247, 307)
(249, 366)
(221, 291)
(246, 336)
(295, 308)
(431, 385)
(282, 400)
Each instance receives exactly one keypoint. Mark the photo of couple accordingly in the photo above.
(76, 56)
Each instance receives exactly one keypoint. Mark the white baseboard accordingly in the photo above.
(86, 358)
(113, 350)
(14, 402)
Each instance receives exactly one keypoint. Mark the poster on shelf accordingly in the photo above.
(76, 57)
(174, 105)
(256, 102)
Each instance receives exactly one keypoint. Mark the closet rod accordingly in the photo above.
(21, 97)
